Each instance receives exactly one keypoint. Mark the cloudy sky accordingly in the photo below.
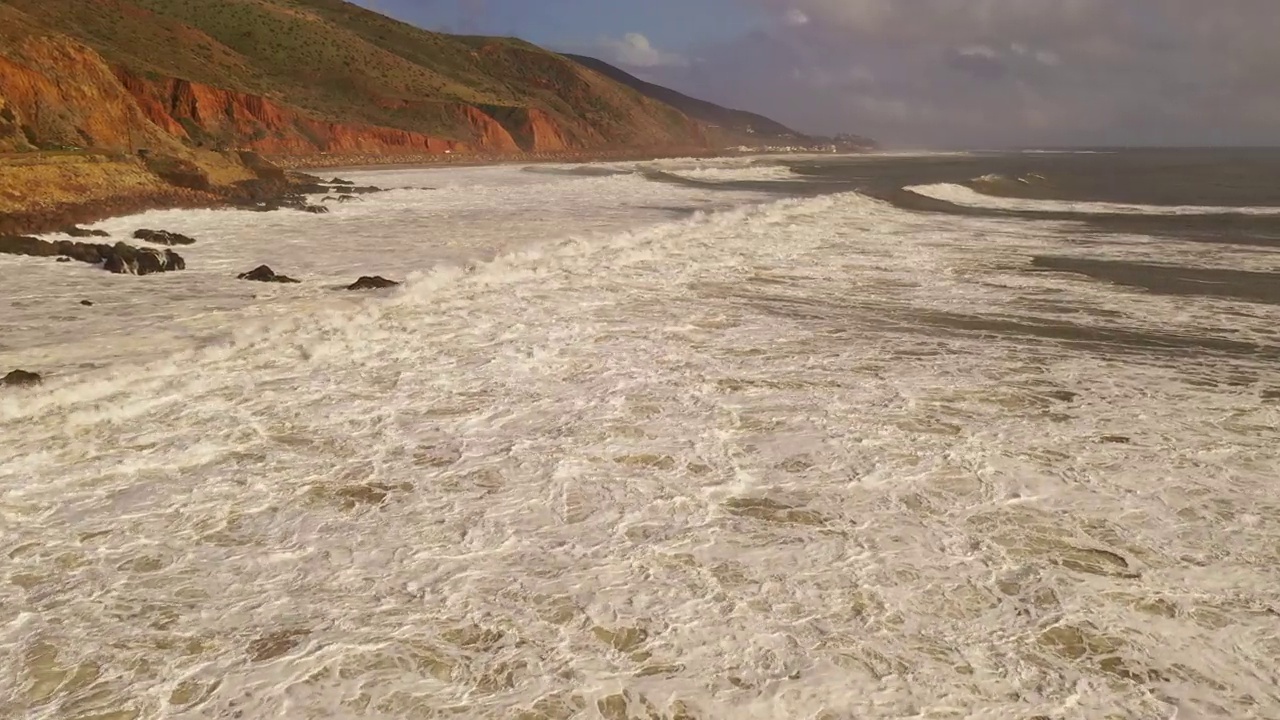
(948, 73)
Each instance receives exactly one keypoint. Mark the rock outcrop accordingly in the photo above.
(120, 258)
(79, 232)
(128, 260)
(163, 237)
(21, 378)
(374, 282)
(263, 273)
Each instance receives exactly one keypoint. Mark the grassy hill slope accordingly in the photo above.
(726, 119)
(725, 126)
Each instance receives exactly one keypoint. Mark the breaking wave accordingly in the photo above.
(967, 197)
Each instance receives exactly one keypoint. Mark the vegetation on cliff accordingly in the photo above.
(730, 126)
(724, 126)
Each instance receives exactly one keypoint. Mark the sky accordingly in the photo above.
(931, 73)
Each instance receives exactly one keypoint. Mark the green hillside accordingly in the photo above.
(338, 62)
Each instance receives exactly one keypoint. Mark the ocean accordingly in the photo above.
(923, 435)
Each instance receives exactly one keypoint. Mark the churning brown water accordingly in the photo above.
(795, 455)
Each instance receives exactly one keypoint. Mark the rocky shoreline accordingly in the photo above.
(356, 160)
(278, 182)
(55, 217)
(283, 193)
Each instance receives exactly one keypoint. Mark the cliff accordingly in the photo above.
(300, 77)
(201, 115)
(55, 92)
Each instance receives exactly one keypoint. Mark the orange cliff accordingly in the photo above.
(55, 91)
(545, 135)
(200, 113)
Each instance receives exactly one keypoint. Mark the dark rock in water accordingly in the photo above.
(162, 237)
(128, 260)
(26, 245)
(272, 193)
(262, 273)
(1116, 439)
(1271, 394)
(292, 202)
(376, 282)
(362, 189)
(1063, 395)
(310, 189)
(260, 190)
(92, 253)
(87, 303)
(63, 259)
(118, 258)
(339, 198)
(315, 209)
(21, 378)
(340, 181)
(75, 231)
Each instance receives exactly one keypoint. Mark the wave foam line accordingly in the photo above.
(967, 197)
(312, 336)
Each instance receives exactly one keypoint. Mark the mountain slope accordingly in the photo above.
(726, 126)
(307, 76)
(726, 119)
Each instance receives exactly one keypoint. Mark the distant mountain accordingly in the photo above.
(739, 124)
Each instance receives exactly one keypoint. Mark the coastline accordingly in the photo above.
(44, 193)
(363, 160)
(55, 217)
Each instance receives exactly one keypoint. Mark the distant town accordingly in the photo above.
(842, 143)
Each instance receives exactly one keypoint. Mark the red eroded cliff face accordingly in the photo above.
(492, 136)
(544, 134)
(203, 114)
(55, 92)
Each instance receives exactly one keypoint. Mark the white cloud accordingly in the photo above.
(1011, 71)
(979, 51)
(635, 50)
(825, 78)
(796, 17)
(1048, 57)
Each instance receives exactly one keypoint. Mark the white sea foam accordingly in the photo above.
(738, 174)
(1068, 152)
(967, 197)
(598, 461)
